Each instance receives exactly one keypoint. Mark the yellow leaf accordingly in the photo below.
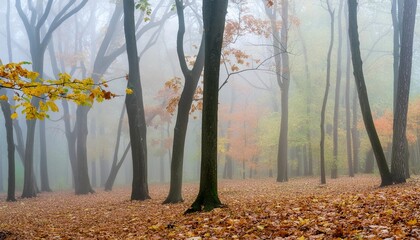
(412, 222)
(129, 91)
(14, 115)
(3, 98)
(388, 211)
(52, 106)
(32, 75)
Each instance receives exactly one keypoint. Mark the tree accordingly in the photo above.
(135, 108)
(327, 86)
(386, 178)
(108, 51)
(334, 170)
(26, 86)
(281, 58)
(351, 166)
(38, 45)
(184, 105)
(116, 165)
(214, 14)
(11, 186)
(399, 140)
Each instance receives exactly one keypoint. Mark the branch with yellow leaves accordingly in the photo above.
(27, 85)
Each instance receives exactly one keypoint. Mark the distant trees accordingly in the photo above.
(34, 25)
(282, 71)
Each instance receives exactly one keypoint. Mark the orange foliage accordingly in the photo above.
(242, 135)
(347, 208)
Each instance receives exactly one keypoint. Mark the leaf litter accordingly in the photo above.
(345, 208)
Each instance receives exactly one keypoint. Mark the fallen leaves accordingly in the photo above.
(257, 209)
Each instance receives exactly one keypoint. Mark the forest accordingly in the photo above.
(227, 119)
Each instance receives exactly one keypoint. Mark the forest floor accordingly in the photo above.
(353, 208)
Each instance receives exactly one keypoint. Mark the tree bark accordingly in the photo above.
(11, 186)
(214, 14)
(83, 180)
(135, 108)
(399, 141)
(386, 178)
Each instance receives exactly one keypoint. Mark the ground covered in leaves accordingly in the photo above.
(353, 208)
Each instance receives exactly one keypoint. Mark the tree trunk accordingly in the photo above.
(355, 132)
(308, 149)
(347, 104)
(334, 170)
(114, 170)
(324, 103)
(370, 159)
(135, 108)
(45, 185)
(399, 141)
(5, 107)
(83, 183)
(93, 174)
(37, 50)
(214, 13)
(285, 76)
(109, 182)
(386, 178)
(184, 106)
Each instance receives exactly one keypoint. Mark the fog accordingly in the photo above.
(249, 101)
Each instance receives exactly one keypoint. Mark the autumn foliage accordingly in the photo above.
(27, 85)
(347, 208)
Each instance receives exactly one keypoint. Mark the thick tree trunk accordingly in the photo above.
(386, 178)
(370, 160)
(135, 108)
(5, 107)
(214, 13)
(83, 182)
(324, 102)
(399, 141)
